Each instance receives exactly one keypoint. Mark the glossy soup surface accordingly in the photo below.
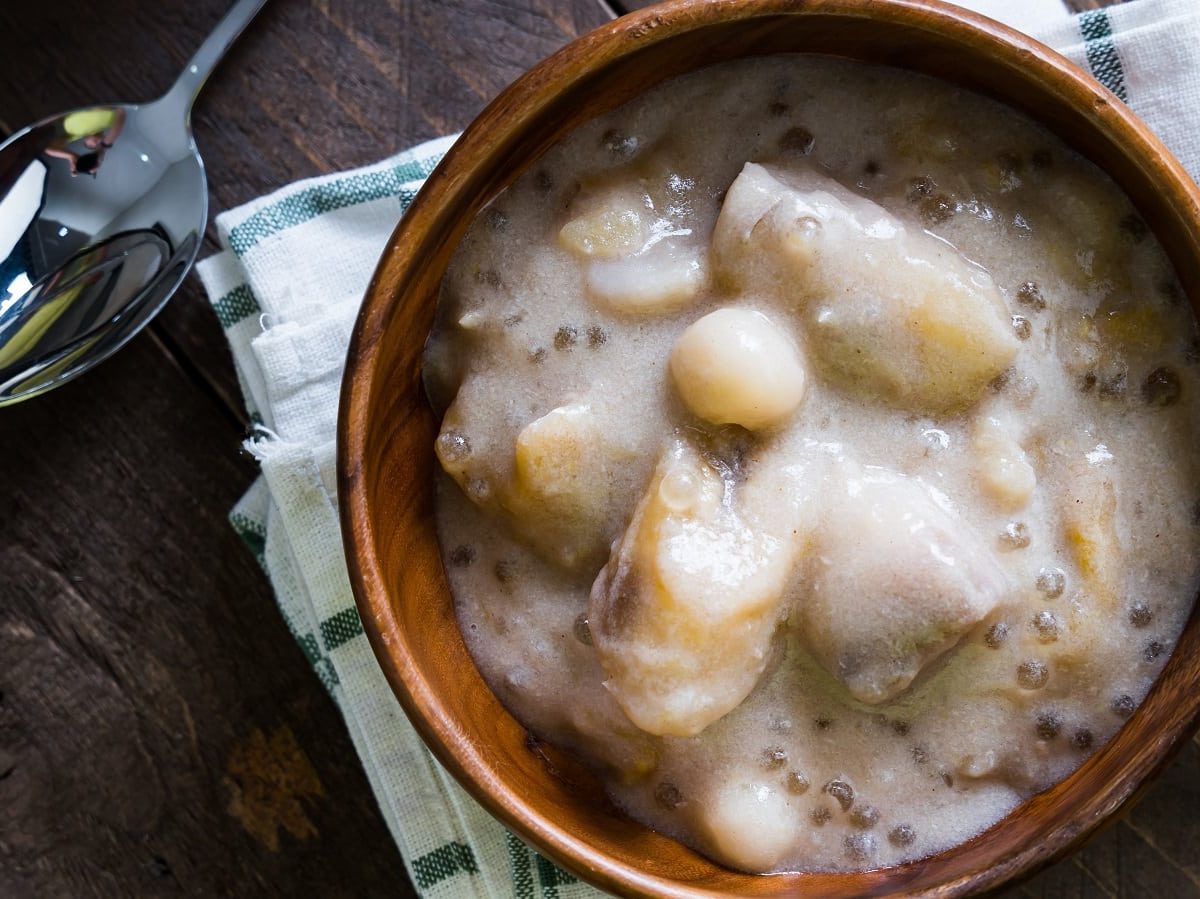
(819, 447)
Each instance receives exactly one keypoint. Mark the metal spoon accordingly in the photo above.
(102, 211)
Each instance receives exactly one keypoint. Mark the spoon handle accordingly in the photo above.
(183, 92)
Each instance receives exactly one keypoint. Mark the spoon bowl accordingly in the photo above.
(97, 231)
(102, 212)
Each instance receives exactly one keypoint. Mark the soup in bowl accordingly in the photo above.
(814, 444)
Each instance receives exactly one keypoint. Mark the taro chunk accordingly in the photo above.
(560, 491)
(1004, 469)
(683, 614)
(889, 308)
(608, 228)
(637, 259)
(897, 579)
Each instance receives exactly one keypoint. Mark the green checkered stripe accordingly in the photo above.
(335, 630)
(1096, 29)
(238, 304)
(532, 876)
(304, 205)
(400, 182)
(531, 872)
(253, 534)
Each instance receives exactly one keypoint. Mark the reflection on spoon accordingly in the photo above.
(102, 211)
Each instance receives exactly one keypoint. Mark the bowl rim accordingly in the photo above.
(495, 125)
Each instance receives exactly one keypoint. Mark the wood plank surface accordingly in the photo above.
(160, 733)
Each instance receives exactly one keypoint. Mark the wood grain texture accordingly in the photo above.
(160, 732)
(141, 651)
(386, 468)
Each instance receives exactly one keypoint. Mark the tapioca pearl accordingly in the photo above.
(453, 446)
(937, 209)
(1015, 536)
(860, 847)
(667, 796)
(841, 791)
(996, 635)
(498, 220)
(773, 758)
(1048, 725)
(1082, 739)
(864, 817)
(1162, 388)
(1047, 626)
(596, 336)
(506, 572)
(797, 141)
(619, 144)
(920, 188)
(479, 490)
(797, 784)
(582, 629)
(566, 337)
(1140, 614)
(1123, 705)
(1032, 674)
(462, 556)
(1051, 582)
(1030, 294)
(1133, 228)
(1023, 388)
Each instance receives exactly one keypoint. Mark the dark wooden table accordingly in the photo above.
(160, 732)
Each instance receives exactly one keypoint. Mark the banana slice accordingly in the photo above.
(889, 308)
(659, 279)
(609, 232)
(897, 580)
(1004, 470)
(561, 494)
(736, 366)
(638, 260)
(1090, 526)
(684, 612)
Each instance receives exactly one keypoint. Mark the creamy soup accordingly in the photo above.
(819, 452)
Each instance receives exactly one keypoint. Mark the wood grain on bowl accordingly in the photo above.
(386, 432)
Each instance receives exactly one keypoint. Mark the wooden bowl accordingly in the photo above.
(386, 433)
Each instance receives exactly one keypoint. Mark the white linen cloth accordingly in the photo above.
(287, 287)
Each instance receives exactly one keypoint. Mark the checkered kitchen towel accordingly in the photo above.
(286, 289)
